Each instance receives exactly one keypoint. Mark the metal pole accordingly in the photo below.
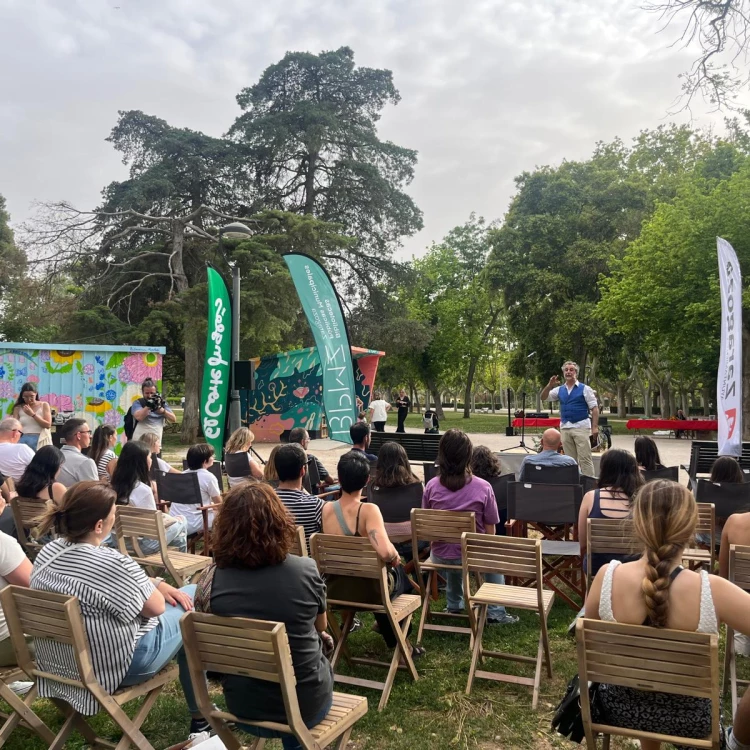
(234, 398)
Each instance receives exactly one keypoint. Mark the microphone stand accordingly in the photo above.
(522, 444)
(257, 455)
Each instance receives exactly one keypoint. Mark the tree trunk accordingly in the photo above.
(469, 387)
(664, 401)
(706, 401)
(312, 162)
(672, 402)
(629, 408)
(492, 401)
(436, 398)
(621, 413)
(194, 349)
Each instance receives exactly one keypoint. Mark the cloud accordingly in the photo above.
(489, 89)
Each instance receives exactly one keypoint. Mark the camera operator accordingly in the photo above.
(151, 411)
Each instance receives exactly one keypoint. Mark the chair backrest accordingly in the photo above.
(703, 453)
(537, 474)
(588, 484)
(26, 511)
(184, 489)
(418, 447)
(666, 472)
(440, 525)
(396, 503)
(430, 470)
(237, 465)
(550, 504)
(727, 498)
(132, 524)
(517, 557)
(500, 488)
(245, 648)
(651, 660)
(612, 536)
(214, 468)
(351, 556)
(154, 472)
(739, 566)
(313, 473)
(300, 545)
(706, 519)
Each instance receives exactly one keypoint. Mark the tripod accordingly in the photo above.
(522, 444)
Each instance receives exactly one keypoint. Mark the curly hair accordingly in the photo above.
(253, 529)
(454, 459)
(485, 464)
(664, 518)
(393, 468)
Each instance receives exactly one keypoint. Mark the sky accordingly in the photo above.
(489, 88)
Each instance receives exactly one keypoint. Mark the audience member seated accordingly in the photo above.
(15, 568)
(455, 488)
(647, 454)
(199, 458)
(256, 576)
(727, 470)
(394, 470)
(549, 455)
(655, 590)
(132, 622)
(619, 480)
(291, 466)
(101, 453)
(40, 478)
(486, 465)
(240, 441)
(77, 468)
(14, 456)
(269, 470)
(132, 484)
(300, 435)
(153, 442)
(349, 516)
(360, 435)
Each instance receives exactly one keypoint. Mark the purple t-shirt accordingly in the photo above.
(475, 496)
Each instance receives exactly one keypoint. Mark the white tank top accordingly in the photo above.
(28, 424)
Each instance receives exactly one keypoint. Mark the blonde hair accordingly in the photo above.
(269, 470)
(150, 439)
(664, 518)
(239, 440)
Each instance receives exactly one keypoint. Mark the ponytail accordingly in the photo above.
(664, 517)
(81, 508)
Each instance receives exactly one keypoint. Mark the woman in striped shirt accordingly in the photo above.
(132, 621)
(101, 453)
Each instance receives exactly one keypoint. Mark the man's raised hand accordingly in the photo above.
(553, 381)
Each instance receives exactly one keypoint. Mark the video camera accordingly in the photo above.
(155, 402)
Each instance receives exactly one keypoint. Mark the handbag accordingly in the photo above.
(398, 582)
(45, 438)
(568, 720)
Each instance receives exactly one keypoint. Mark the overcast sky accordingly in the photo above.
(489, 88)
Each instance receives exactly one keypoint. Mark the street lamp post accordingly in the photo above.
(235, 229)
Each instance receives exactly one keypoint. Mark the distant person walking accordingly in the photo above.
(379, 412)
(403, 403)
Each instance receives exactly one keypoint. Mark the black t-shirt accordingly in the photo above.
(293, 593)
(403, 405)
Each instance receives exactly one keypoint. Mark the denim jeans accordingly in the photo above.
(176, 535)
(288, 741)
(30, 439)
(158, 647)
(454, 585)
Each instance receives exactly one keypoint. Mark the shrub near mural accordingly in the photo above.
(95, 383)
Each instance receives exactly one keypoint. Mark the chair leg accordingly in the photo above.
(62, 736)
(544, 635)
(259, 744)
(140, 717)
(227, 736)
(22, 711)
(131, 732)
(605, 741)
(477, 650)
(727, 659)
(341, 643)
(425, 605)
(343, 740)
(732, 672)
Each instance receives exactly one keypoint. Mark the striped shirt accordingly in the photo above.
(111, 590)
(107, 456)
(306, 509)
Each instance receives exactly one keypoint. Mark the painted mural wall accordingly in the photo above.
(289, 389)
(95, 383)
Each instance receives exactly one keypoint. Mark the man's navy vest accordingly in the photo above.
(572, 405)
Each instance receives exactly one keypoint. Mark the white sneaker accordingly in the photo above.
(198, 737)
(20, 687)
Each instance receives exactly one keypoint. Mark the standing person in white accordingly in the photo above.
(14, 456)
(379, 412)
(576, 400)
(151, 411)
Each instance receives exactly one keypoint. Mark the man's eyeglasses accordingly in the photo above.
(20, 432)
(84, 432)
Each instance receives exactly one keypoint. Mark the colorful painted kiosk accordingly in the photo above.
(95, 383)
(289, 388)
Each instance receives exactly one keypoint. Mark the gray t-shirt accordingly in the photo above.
(293, 593)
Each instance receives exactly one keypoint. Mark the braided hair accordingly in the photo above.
(664, 517)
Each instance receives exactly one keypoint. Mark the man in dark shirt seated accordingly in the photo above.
(360, 435)
(301, 436)
(291, 466)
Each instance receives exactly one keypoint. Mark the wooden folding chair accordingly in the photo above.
(437, 526)
(300, 545)
(26, 511)
(607, 536)
(21, 713)
(45, 615)
(258, 649)
(134, 524)
(649, 659)
(510, 556)
(354, 557)
(696, 557)
(739, 574)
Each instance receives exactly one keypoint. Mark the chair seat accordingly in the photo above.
(167, 675)
(560, 549)
(511, 596)
(181, 560)
(345, 711)
(404, 605)
(11, 674)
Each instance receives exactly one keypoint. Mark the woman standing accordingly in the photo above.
(101, 453)
(240, 441)
(39, 479)
(34, 415)
(379, 412)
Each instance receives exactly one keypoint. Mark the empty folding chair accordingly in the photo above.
(259, 649)
(510, 556)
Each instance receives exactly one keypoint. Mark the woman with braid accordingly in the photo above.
(655, 590)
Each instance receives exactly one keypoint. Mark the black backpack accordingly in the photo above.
(129, 425)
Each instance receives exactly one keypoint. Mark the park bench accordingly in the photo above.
(418, 447)
(703, 453)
